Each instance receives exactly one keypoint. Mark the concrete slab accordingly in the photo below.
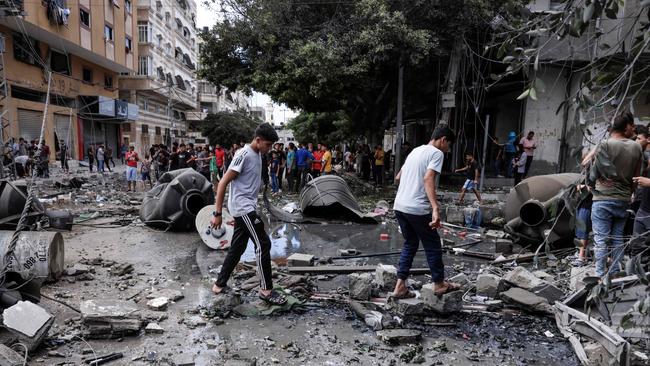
(26, 318)
(488, 285)
(172, 295)
(521, 277)
(526, 299)
(397, 336)
(153, 328)
(158, 304)
(300, 260)
(448, 303)
(407, 307)
(386, 276)
(9, 357)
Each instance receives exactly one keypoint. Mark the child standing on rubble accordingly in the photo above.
(245, 181)
(472, 173)
(418, 214)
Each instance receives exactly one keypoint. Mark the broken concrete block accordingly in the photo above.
(9, 357)
(120, 269)
(578, 274)
(397, 336)
(300, 260)
(488, 285)
(543, 276)
(455, 215)
(105, 319)
(549, 292)
(222, 304)
(460, 278)
(448, 303)
(172, 295)
(526, 299)
(503, 246)
(153, 328)
(29, 322)
(183, 359)
(360, 286)
(521, 277)
(597, 354)
(386, 276)
(158, 304)
(407, 307)
(77, 269)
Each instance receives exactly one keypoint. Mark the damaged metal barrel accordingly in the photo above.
(534, 208)
(38, 255)
(176, 200)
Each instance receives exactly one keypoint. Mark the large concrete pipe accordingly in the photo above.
(176, 200)
(13, 196)
(38, 255)
(528, 209)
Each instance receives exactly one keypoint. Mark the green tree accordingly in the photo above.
(227, 128)
(325, 127)
(330, 56)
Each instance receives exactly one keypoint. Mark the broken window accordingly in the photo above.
(59, 62)
(26, 49)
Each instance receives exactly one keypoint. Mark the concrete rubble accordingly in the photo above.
(109, 318)
(386, 276)
(360, 285)
(28, 322)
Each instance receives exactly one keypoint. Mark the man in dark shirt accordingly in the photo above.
(183, 157)
(472, 173)
(173, 159)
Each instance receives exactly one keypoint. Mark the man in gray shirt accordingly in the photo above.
(245, 181)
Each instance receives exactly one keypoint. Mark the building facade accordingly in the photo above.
(86, 45)
(163, 84)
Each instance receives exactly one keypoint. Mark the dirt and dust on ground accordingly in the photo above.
(133, 295)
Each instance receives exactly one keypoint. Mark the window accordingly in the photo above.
(161, 73)
(159, 7)
(108, 33)
(143, 32)
(24, 49)
(168, 49)
(127, 6)
(59, 62)
(186, 32)
(87, 75)
(159, 38)
(145, 128)
(145, 65)
(84, 18)
(158, 131)
(108, 81)
(128, 45)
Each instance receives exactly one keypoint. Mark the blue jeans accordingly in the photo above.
(100, 165)
(415, 228)
(509, 157)
(608, 221)
(274, 182)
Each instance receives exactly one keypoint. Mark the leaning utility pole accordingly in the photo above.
(398, 128)
(4, 99)
(170, 115)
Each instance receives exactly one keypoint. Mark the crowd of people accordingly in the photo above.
(24, 158)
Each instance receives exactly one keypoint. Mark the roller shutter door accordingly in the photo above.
(29, 123)
(62, 128)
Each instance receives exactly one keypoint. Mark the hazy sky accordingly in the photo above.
(206, 17)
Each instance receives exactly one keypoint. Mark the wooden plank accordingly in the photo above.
(347, 269)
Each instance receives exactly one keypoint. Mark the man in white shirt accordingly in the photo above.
(417, 211)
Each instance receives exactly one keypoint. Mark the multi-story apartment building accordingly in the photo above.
(164, 85)
(86, 44)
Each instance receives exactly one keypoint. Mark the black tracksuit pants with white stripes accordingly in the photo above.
(248, 226)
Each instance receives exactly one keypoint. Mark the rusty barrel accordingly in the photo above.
(37, 255)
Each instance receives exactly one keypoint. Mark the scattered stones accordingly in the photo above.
(521, 277)
(450, 302)
(222, 304)
(503, 246)
(184, 359)
(596, 354)
(158, 304)
(300, 260)
(526, 300)
(153, 328)
(29, 322)
(460, 278)
(386, 276)
(488, 285)
(121, 269)
(360, 286)
(397, 336)
(195, 321)
(78, 269)
(578, 274)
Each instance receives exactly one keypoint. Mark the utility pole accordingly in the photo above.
(169, 114)
(5, 98)
(485, 142)
(400, 96)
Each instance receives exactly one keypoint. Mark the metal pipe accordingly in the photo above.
(532, 213)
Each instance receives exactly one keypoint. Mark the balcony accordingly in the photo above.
(151, 85)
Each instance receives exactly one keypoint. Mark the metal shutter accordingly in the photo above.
(62, 128)
(29, 123)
